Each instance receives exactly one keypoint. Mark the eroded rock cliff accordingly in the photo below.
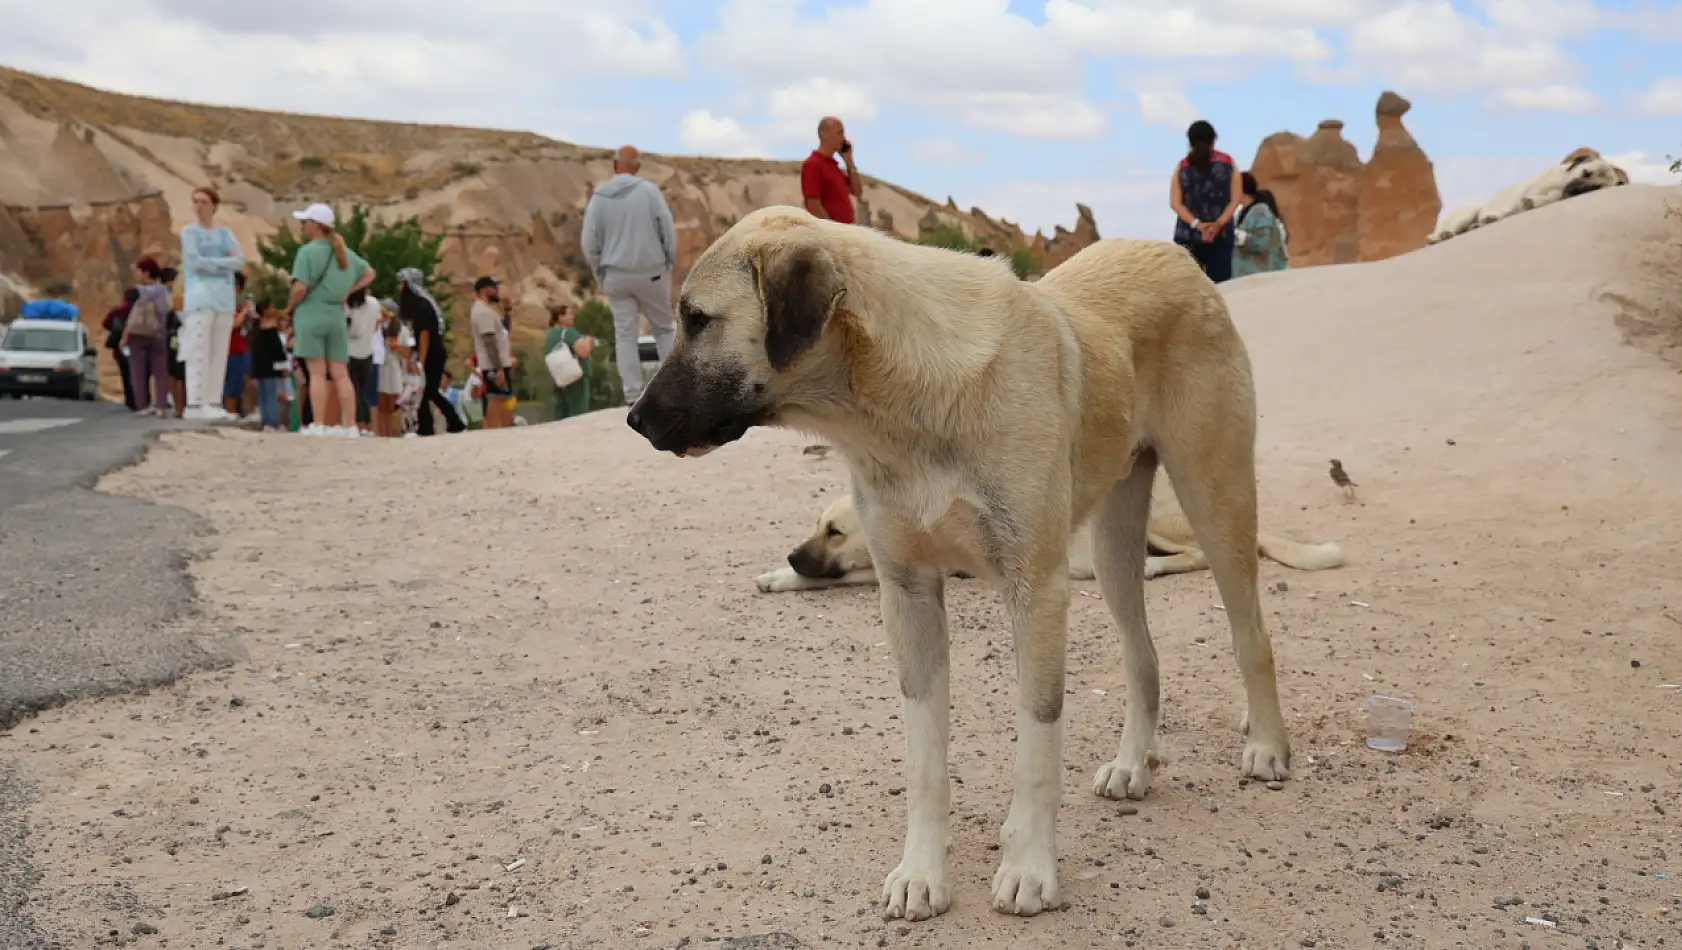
(1341, 210)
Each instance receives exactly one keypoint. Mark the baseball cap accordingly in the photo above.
(318, 212)
(483, 282)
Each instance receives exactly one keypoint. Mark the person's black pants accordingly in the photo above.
(431, 398)
(360, 369)
(128, 384)
(1215, 259)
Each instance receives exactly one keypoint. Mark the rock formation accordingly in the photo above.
(90, 180)
(1340, 210)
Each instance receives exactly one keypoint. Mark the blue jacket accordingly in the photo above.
(209, 260)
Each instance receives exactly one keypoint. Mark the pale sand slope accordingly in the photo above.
(545, 645)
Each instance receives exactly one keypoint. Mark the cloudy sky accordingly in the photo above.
(1020, 106)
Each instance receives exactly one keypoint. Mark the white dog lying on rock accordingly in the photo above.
(1579, 173)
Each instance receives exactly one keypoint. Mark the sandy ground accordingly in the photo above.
(517, 689)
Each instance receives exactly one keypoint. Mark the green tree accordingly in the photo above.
(950, 237)
(1676, 166)
(1024, 263)
(606, 390)
(387, 247)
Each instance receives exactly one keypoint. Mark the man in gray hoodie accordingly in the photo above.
(631, 247)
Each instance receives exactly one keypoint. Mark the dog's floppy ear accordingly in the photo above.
(800, 286)
(1578, 160)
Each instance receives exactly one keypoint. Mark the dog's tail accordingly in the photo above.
(1303, 557)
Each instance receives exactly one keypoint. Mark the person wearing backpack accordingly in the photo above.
(145, 335)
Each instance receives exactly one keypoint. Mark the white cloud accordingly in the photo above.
(972, 59)
(1169, 107)
(384, 59)
(1156, 30)
(944, 152)
(1644, 169)
(1547, 98)
(819, 96)
(1663, 97)
(1542, 17)
(1029, 115)
(703, 133)
(1430, 47)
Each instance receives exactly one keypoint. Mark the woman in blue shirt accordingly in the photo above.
(1205, 194)
(210, 256)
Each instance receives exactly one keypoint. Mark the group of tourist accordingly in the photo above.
(333, 360)
(1230, 225)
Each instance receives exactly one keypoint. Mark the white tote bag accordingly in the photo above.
(563, 366)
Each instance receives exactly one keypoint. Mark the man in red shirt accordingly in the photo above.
(829, 191)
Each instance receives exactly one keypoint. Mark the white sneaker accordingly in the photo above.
(313, 429)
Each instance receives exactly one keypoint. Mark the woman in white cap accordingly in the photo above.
(324, 273)
(210, 257)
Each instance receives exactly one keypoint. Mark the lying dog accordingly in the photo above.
(836, 554)
(968, 404)
(1579, 173)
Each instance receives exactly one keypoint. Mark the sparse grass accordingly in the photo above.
(312, 163)
(467, 169)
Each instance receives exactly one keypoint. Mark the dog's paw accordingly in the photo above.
(916, 890)
(1081, 572)
(1153, 567)
(1026, 887)
(1123, 779)
(777, 581)
(1267, 761)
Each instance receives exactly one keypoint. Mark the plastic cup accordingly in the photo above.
(1389, 721)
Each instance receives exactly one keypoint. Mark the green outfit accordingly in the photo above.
(574, 400)
(1264, 243)
(318, 322)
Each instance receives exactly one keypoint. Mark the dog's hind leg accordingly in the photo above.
(1214, 476)
(914, 613)
(1118, 552)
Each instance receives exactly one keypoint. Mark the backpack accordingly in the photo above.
(144, 320)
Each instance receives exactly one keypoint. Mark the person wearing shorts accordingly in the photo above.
(324, 273)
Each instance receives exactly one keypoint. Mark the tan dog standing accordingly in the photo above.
(967, 403)
(836, 554)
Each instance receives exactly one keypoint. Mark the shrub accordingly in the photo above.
(1025, 264)
(950, 237)
(312, 163)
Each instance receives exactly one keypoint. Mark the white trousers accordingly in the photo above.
(204, 345)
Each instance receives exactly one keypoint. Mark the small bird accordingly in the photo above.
(1341, 479)
(818, 451)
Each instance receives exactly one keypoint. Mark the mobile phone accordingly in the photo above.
(846, 146)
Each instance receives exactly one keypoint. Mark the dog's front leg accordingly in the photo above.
(1038, 603)
(914, 613)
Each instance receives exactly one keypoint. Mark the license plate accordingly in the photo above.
(33, 379)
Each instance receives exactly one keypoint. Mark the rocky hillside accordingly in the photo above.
(90, 180)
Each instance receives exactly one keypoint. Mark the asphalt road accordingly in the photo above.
(93, 592)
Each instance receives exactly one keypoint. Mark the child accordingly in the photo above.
(269, 365)
(398, 343)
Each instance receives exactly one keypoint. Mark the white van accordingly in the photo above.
(48, 358)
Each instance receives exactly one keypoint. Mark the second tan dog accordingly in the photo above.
(836, 554)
